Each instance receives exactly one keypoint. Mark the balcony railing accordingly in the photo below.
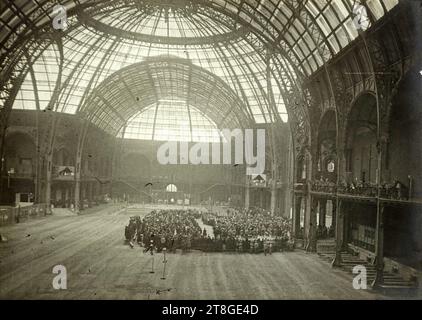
(390, 191)
(323, 186)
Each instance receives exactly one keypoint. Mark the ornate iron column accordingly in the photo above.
(379, 248)
(339, 232)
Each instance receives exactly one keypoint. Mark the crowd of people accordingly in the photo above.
(170, 229)
(389, 190)
(252, 230)
(236, 230)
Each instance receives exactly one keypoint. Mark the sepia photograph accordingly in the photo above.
(229, 151)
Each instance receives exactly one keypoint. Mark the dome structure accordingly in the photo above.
(261, 49)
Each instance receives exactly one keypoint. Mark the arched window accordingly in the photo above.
(171, 188)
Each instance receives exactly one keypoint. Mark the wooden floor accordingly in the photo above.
(100, 266)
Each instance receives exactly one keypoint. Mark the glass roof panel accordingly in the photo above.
(172, 120)
(45, 72)
(163, 22)
(376, 8)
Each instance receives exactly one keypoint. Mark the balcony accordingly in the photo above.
(395, 191)
(323, 186)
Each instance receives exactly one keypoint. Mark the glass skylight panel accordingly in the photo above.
(376, 8)
(390, 4)
(45, 73)
(172, 120)
(203, 129)
(331, 17)
(141, 126)
(334, 44)
(307, 67)
(25, 100)
(312, 63)
(342, 37)
(340, 8)
(259, 118)
(323, 25)
(155, 24)
(351, 29)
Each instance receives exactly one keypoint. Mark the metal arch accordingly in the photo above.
(252, 74)
(259, 34)
(297, 12)
(82, 61)
(258, 84)
(220, 84)
(293, 97)
(52, 123)
(261, 54)
(151, 79)
(16, 10)
(127, 88)
(223, 38)
(90, 93)
(262, 21)
(235, 18)
(338, 96)
(33, 47)
(38, 137)
(50, 134)
(130, 70)
(284, 89)
(378, 63)
(223, 12)
(17, 65)
(208, 40)
(16, 73)
(114, 110)
(299, 123)
(315, 31)
(385, 84)
(188, 102)
(236, 80)
(101, 65)
(298, 8)
(84, 129)
(233, 75)
(10, 46)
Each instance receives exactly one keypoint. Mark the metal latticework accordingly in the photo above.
(227, 39)
(171, 93)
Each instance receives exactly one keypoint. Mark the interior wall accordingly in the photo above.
(404, 156)
(20, 154)
(402, 241)
(364, 156)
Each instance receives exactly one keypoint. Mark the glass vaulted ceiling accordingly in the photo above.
(102, 41)
(172, 120)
